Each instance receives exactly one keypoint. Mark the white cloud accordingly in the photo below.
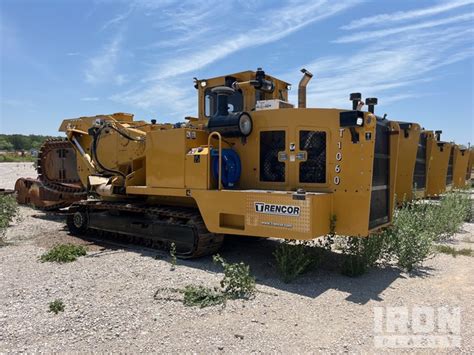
(184, 39)
(187, 23)
(189, 16)
(387, 69)
(9, 37)
(101, 68)
(177, 97)
(372, 35)
(89, 99)
(384, 19)
(403, 58)
(16, 102)
(119, 18)
(120, 79)
(277, 24)
(390, 69)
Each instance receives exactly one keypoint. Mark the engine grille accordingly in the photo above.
(419, 176)
(380, 195)
(313, 170)
(272, 142)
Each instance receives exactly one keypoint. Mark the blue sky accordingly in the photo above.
(63, 59)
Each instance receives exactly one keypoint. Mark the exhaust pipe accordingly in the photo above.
(302, 88)
(356, 98)
(371, 102)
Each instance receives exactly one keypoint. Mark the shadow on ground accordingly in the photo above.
(49, 216)
(258, 254)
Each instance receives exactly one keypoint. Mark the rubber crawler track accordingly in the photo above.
(205, 242)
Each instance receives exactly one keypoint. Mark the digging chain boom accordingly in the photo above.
(49, 192)
(52, 146)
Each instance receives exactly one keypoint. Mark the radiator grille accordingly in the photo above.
(449, 175)
(313, 170)
(380, 195)
(272, 142)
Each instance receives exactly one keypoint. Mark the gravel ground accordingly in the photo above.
(9, 172)
(110, 305)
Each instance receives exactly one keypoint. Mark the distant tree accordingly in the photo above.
(21, 142)
(5, 144)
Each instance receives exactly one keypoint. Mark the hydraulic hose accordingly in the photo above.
(125, 135)
(95, 141)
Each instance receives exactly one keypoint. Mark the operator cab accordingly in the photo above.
(249, 87)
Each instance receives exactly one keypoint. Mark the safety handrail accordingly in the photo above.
(219, 178)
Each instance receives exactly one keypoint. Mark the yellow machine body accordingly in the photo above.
(450, 170)
(407, 155)
(438, 156)
(460, 167)
(470, 166)
(277, 194)
(420, 175)
(346, 192)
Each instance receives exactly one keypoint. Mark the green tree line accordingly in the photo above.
(15, 142)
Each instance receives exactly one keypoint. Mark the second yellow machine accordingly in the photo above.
(250, 164)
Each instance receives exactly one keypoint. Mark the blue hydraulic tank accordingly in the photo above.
(231, 167)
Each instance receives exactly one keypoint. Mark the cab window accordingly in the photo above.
(236, 102)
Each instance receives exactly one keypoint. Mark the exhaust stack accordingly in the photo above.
(302, 88)
(356, 98)
(371, 102)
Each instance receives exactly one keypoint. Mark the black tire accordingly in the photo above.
(77, 223)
